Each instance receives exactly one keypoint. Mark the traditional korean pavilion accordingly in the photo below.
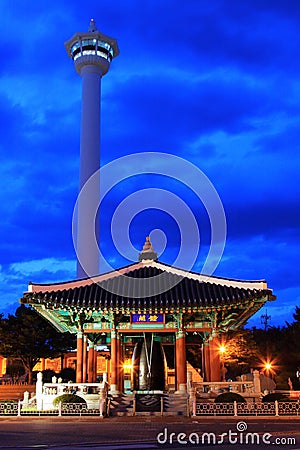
(144, 306)
(148, 298)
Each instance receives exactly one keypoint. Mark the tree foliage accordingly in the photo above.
(230, 397)
(28, 337)
(241, 352)
(281, 347)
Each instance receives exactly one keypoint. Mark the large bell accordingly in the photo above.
(149, 366)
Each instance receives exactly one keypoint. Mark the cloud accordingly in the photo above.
(216, 84)
(16, 276)
(52, 266)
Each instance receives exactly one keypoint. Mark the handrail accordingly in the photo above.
(108, 407)
(221, 383)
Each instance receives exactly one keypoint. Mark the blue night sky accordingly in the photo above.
(213, 82)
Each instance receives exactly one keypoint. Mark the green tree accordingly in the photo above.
(241, 352)
(27, 336)
(15, 369)
(291, 350)
(281, 347)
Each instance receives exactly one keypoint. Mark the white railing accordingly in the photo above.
(247, 409)
(217, 387)
(272, 409)
(295, 395)
(89, 392)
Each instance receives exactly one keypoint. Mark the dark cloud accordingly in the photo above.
(214, 82)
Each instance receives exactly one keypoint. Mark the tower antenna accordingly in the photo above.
(265, 319)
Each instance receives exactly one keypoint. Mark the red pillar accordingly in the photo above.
(212, 366)
(120, 364)
(215, 363)
(91, 363)
(79, 357)
(95, 364)
(180, 360)
(206, 362)
(84, 359)
(114, 360)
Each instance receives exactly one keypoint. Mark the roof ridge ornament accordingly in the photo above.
(148, 252)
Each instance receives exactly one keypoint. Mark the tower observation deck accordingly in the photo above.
(92, 53)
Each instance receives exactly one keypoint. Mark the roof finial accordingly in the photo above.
(148, 251)
(93, 26)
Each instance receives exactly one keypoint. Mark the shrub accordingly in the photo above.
(229, 397)
(68, 398)
(68, 374)
(48, 374)
(15, 369)
(275, 396)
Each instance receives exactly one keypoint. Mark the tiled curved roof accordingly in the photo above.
(147, 287)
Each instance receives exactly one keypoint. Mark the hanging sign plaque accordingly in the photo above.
(147, 318)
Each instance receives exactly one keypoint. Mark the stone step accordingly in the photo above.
(15, 391)
(174, 405)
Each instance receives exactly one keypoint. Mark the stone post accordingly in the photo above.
(102, 396)
(193, 401)
(26, 399)
(256, 382)
(189, 380)
(39, 392)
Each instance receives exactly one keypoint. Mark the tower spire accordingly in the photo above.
(93, 26)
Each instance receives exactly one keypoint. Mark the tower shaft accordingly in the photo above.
(90, 123)
(92, 53)
(88, 231)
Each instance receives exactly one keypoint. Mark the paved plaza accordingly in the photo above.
(143, 432)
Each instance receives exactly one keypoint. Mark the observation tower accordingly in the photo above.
(92, 53)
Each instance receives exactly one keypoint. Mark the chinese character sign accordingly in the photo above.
(147, 318)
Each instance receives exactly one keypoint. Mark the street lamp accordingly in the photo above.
(222, 349)
(127, 366)
(268, 366)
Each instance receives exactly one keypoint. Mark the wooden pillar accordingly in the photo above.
(215, 363)
(180, 361)
(212, 367)
(114, 360)
(95, 364)
(79, 359)
(91, 362)
(84, 359)
(206, 361)
(120, 364)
